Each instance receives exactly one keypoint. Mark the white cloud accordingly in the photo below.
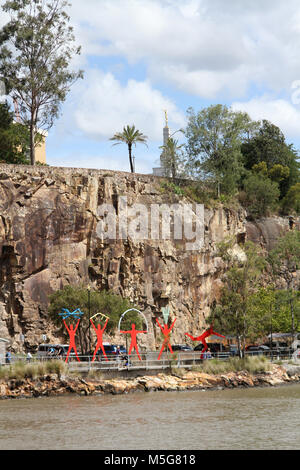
(104, 106)
(280, 112)
(206, 47)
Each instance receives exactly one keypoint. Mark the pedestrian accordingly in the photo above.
(8, 357)
(29, 357)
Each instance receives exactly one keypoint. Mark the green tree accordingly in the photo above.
(214, 137)
(272, 307)
(261, 169)
(261, 194)
(172, 158)
(284, 261)
(232, 314)
(111, 305)
(292, 199)
(267, 144)
(14, 138)
(36, 48)
(279, 173)
(130, 136)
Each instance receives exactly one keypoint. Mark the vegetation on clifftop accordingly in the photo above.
(231, 159)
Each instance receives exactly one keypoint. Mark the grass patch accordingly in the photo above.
(253, 365)
(22, 370)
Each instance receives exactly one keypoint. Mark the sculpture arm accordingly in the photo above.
(218, 334)
(159, 325)
(76, 326)
(193, 338)
(66, 327)
(93, 326)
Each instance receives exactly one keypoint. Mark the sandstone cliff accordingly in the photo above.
(48, 238)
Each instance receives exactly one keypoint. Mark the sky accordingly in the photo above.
(141, 57)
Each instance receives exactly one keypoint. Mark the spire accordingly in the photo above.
(166, 130)
(166, 117)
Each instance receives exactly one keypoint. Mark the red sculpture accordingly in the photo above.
(72, 332)
(133, 343)
(202, 337)
(166, 332)
(99, 332)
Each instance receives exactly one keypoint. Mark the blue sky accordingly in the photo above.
(143, 56)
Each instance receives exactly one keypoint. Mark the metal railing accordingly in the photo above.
(149, 360)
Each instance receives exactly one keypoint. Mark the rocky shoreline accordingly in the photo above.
(53, 385)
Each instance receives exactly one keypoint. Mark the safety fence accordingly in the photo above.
(147, 360)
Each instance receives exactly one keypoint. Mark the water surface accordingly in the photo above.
(261, 418)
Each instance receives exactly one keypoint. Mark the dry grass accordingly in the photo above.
(34, 370)
(253, 365)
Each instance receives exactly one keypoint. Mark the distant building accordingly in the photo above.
(40, 150)
(166, 135)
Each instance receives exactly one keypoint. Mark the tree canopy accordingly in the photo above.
(214, 137)
(14, 138)
(36, 48)
(110, 304)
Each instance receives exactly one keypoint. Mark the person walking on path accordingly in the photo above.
(8, 357)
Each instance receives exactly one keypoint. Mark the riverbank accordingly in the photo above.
(56, 385)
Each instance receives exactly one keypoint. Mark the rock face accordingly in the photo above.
(49, 237)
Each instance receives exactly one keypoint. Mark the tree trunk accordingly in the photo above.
(130, 158)
(291, 301)
(32, 147)
(173, 170)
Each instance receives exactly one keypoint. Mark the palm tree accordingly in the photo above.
(130, 136)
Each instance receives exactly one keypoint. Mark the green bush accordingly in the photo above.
(108, 303)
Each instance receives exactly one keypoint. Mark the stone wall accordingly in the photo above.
(48, 238)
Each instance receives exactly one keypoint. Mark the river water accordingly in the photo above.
(241, 419)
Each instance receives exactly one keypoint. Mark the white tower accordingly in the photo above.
(166, 135)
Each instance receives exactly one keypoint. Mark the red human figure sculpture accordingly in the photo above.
(133, 343)
(166, 332)
(202, 338)
(99, 332)
(72, 345)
